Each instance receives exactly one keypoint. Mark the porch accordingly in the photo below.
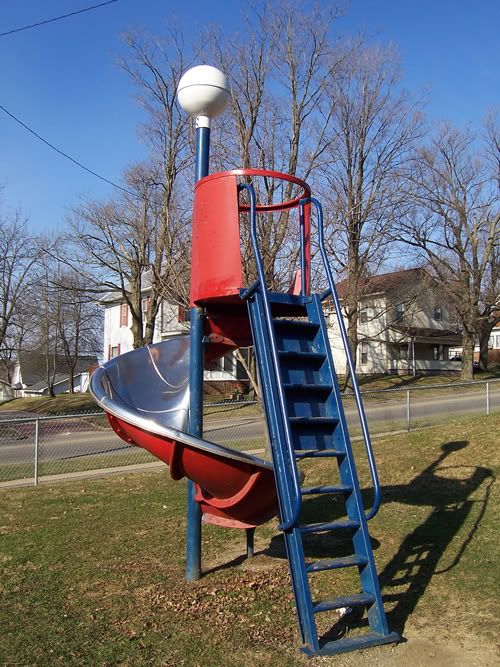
(424, 351)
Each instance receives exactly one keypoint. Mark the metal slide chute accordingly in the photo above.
(145, 394)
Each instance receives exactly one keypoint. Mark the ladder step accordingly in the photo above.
(326, 527)
(318, 453)
(353, 643)
(313, 421)
(338, 488)
(357, 600)
(298, 324)
(288, 299)
(336, 563)
(298, 386)
(306, 356)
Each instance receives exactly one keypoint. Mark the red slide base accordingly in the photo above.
(231, 493)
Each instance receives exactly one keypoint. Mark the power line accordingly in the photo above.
(57, 18)
(68, 157)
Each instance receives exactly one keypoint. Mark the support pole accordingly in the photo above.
(203, 93)
(408, 411)
(202, 149)
(37, 449)
(250, 542)
(193, 537)
(196, 332)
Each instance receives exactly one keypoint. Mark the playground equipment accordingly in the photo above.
(146, 393)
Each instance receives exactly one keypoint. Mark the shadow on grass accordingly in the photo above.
(447, 490)
(405, 578)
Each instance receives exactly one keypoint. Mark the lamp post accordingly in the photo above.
(203, 93)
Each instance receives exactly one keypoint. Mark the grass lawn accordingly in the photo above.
(92, 572)
(60, 405)
(409, 381)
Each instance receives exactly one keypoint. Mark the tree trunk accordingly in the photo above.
(136, 315)
(483, 352)
(250, 367)
(467, 357)
(352, 335)
(71, 379)
(485, 329)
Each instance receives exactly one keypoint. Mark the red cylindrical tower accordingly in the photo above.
(216, 268)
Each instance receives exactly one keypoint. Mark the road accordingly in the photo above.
(68, 444)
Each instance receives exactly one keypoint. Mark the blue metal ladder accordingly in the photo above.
(306, 420)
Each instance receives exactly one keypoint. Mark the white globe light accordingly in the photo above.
(203, 91)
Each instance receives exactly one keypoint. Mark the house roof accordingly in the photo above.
(384, 282)
(33, 368)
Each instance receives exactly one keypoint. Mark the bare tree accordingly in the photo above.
(374, 126)
(19, 254)
(278, 67)
(490, 299)
(127, 246)
(456, 226)
(139, 240)
(79, 323)
(48, 315)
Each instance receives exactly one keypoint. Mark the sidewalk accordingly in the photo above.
(83, 474)
(90, 474)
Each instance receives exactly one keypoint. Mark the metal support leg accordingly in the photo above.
(408, 411)
(37, 449)
(250, 541)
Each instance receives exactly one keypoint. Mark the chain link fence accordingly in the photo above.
(35, 447)
(32, 448)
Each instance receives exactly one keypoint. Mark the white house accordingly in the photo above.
(494, 341)
(403, 326)
(170, 321)
(29, 377)
(5, 391)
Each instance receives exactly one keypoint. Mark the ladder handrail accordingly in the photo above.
(290, 522)
(348, 353)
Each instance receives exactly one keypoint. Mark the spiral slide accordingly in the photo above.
(145, 394)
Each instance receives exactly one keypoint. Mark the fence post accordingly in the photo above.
(408, 412)
(37, 448)
(487, 399)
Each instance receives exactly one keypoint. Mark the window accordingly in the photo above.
(228, 363)
(399, 312)
(364, 352)
(438, 313)
(437, 352)
(363, 316)
(113, 351)
(214, 365)
(145, 304)
(123, 315)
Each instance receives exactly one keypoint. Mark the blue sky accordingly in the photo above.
(62, 80)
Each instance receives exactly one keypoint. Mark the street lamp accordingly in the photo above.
(203, 93)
